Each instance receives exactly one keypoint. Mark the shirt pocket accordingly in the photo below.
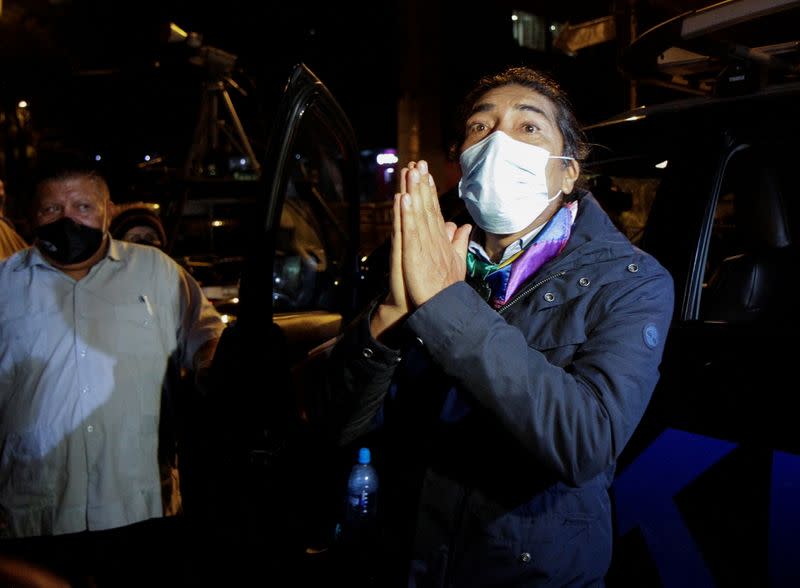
(131, 328)
(132, 334)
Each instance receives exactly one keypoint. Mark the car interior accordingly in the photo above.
(750, 243)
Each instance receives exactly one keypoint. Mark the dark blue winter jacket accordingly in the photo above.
(498, 430)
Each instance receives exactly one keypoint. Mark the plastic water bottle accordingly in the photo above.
(362, 494)
(357, 538)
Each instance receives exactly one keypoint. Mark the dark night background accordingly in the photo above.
(100, 75)
(103, 72)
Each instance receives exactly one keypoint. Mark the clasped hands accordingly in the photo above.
(427, 255)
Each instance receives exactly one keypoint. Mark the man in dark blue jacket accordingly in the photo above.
(508, 365)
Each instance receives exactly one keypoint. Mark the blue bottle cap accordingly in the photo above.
(363, 455)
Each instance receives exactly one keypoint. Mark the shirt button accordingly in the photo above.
(420, 342)
(367, 352)
(633, 268)
(524, 557)
(84, 390)
(549, 297)
(584, 282)
(90, 428)
(83, 353)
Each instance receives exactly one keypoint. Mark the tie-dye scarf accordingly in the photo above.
(499, 282)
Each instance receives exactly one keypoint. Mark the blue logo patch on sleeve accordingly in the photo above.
(650, 334)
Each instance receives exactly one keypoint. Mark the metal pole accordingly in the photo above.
(248, 149)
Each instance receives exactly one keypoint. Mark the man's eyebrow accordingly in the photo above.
(532, 108)
(489, 106)
(482, 107)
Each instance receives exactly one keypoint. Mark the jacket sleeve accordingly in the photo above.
(575, 418)
(357, 372)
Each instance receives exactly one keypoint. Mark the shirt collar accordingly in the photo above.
(510, 251)
(114, 250)
(33, 256)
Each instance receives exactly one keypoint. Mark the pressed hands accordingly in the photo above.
(427, 255)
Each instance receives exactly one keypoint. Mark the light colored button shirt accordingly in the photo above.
(82, 364)
(515, 247)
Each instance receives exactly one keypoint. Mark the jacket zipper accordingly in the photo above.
(528, 290)
(448, 579)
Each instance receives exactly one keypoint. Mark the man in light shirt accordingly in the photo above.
(90, 328)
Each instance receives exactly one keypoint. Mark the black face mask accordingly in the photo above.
(68, 242)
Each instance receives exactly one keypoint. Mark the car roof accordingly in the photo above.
(777, 94)
(770, 111)
(720, 48)
(737, 62)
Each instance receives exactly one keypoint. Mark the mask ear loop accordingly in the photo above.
(567, 158)
(557, 194)
(562, 157)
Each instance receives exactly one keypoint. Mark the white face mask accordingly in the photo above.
(504, 184)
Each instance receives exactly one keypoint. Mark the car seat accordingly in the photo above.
(748, 282)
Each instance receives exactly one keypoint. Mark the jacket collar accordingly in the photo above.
(594, 237)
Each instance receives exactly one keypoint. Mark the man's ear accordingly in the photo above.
(571, 173)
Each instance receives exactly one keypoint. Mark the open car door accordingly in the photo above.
(256, 474)
(301, 274)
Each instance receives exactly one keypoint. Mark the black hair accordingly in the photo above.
(64, 165)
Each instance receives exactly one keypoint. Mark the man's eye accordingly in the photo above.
(529, 128)
(477, 127)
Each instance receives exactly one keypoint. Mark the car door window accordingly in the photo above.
(627, 199)
(748, 244)
(313, 234)
(626, 189)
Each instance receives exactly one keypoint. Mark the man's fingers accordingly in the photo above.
(433, 252)
(450, 228)
(396, 285)
(409, 224)
(404, 176)
(461, 240)
(397, 225)
(430, 217)
(430, 197)
(426, 180)
(414, 206)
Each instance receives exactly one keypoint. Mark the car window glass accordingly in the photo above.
(749, 243)
(211, 244)
(626, 190)
(312, 236)
(213, 226)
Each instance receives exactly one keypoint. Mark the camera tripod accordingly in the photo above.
(210, 125)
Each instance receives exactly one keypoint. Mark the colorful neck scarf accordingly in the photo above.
(499, 282)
